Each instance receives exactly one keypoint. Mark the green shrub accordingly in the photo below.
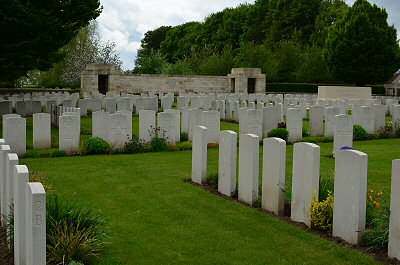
(182, 146)
(305, 133)
(74, 231)
(134, 145)
(386, 131)
(31, 154)
(158, 144)
(279, 133)
(58, 153)
(184, 137)
(326, 186)
(75, 263)
(94, 146)
(376, 235)
(322, 213)
(359, 133)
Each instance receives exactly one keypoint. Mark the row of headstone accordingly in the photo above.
(350, 186)
(28, 201)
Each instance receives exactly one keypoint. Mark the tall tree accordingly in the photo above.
(34, 31)
(362, 48)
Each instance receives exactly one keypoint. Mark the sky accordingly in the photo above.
(126, 21)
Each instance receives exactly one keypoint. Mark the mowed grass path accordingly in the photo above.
(157, 218)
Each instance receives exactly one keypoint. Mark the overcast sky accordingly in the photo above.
(126, 21)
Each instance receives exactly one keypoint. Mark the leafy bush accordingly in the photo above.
(322, 213)
(305, 133)
(182, 146)
(58, 153)
(279, 133)
(282, 125)
(326, 186)
(94, 146)
(74, 231)
(184, 137)
(134, 145)
(32, 154)
(359, 133)
(75, 263)
(386, 131)
(158, 144)
(376, 235)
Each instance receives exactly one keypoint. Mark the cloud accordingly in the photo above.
(126, 21)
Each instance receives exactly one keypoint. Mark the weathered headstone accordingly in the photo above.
(211, 120)
(41, 131)
(199, 155)
(4, 150)
(227, 163)
(294, 125)
(394, 224)
(329, 113)
(101, 125)
(274, 175)
(167, 127)
(69, 133)
(14, 133)
(5, 107)
(248, 168)
(119, 130)
(316, 120)
(21, 178)
(194, 120)
(343, 135)
(147, 125)
(11, 161)
(350, 193)
(379, 117)
(35, 224)
(305, 181)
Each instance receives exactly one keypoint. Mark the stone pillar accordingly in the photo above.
(41, 131)
(35, 224)
(274, 175)
(21, 177)
(305, 181)
(248, 168)
(199, 155)
(350, 193)
(147, 125)
(227, 162)
(394, 226)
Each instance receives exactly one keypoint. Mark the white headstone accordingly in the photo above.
(274, 175)
(177, 115)
(329, 121)
(21, 177)
(4, 150)
(271, 118)
(305, 181)
(101, 125)
(14, 133)
(199, 155)
(343, 135)
(69, 133)
(394, 224)
(248, 168)
(294, 125)
(194, 117)
(350, 193)
(147, 125)
(211, 120)
(11, 161)
(379, 117)
(316, 120)
(119, 131)
(167, 127)
(35, 224)
(227, 163)
(41, 131)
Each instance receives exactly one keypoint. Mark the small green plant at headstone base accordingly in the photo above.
(158, 142)
(279, 133)
(135, 145)
(386, 131)
(182, 146)
(212, 180)
(184, 137)
(376, 234)
(359, 133)
(94, 146)
(322, 213)
(58, 153)
(32, 154)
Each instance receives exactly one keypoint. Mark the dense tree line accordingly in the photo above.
(32, 32)
(291, 40)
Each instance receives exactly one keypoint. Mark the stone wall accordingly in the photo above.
(238, 81)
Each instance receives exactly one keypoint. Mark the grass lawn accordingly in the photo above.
(157, 218)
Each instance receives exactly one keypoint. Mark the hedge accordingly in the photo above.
(310, 88)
